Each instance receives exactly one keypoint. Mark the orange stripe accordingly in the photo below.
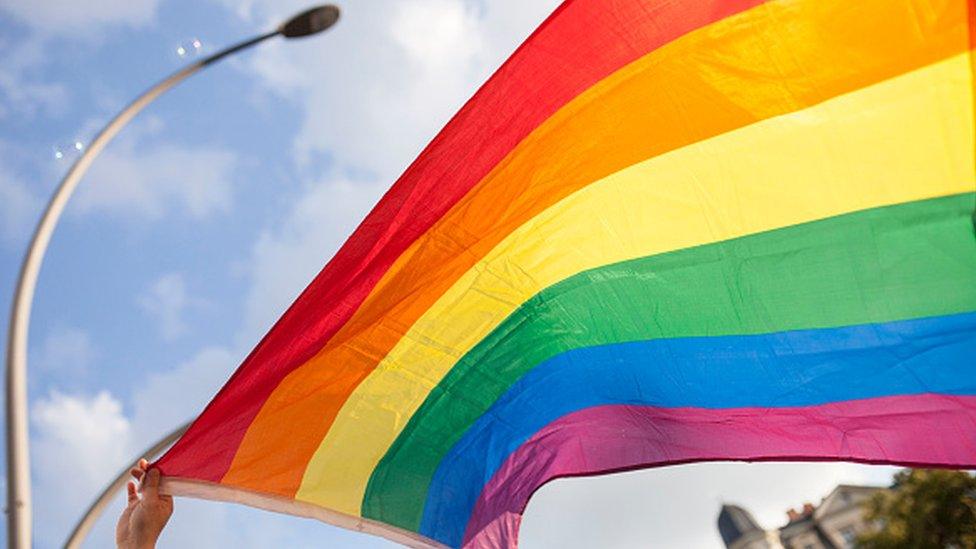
(773, 59)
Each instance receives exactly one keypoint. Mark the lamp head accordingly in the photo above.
(310, 21)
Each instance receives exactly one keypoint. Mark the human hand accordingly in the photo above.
(146, 511)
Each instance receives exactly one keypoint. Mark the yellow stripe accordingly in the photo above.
(908, 138)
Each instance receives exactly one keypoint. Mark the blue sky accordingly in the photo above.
(205, 218)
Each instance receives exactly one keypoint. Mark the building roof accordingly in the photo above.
(734, 522)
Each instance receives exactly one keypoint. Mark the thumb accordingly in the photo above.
(150, 484)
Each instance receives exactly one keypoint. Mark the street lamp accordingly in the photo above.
(18, 455)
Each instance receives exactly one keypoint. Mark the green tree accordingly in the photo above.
(925, 509)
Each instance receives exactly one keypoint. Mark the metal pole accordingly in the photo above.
(18, 454)
(98, 506)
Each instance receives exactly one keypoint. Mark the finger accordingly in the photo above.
(130, 490)
(143, 464)
(150, 484)
(136, 473)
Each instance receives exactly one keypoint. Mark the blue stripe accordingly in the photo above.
(795, 368)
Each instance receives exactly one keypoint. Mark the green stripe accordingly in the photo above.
(897, 262)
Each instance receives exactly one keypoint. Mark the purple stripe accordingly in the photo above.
(926, 430)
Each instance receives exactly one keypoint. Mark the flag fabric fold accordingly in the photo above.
(662, 232)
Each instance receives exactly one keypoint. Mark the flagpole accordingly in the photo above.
(17, 436)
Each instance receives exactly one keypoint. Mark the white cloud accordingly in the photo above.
(436, 33)
(19, 208)
(380, 84)
(81, 442)
(91, 430)
(167, 301)
(80, 18)
(66, 352)
(677, 506)
(146, 182)
(166, 400)
(374, 89)
(22, 90)
(78, 444)
(286, 257)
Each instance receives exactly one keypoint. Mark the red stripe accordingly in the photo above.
(582, 42)
(920, 430)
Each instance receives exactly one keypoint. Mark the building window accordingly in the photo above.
(849, 535)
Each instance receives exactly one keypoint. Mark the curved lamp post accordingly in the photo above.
(95, 510)
(18, 456)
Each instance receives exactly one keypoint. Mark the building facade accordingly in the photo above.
(834, 524)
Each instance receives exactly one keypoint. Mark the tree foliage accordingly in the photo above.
(926, 509)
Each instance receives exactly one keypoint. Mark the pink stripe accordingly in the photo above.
(924, 430)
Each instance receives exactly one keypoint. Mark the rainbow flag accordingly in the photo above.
(665, 231)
